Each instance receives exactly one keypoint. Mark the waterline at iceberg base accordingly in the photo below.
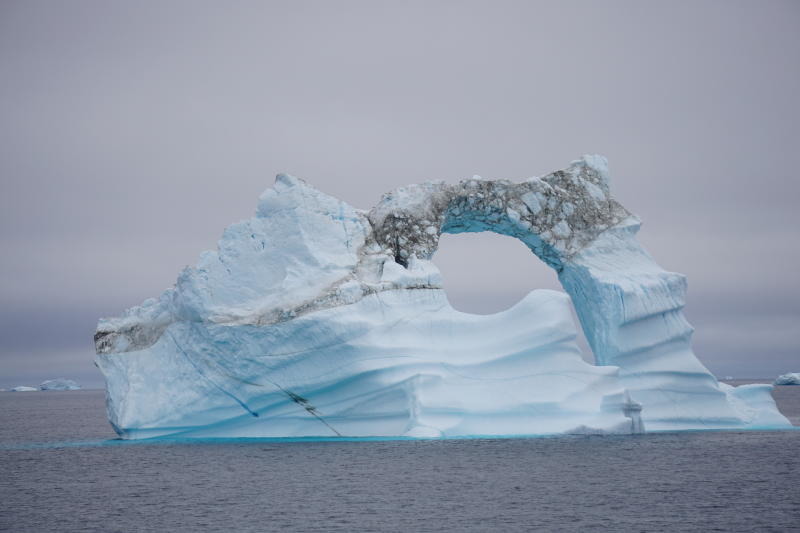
(317, 319)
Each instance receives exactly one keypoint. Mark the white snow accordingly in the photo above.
(23, 388)
(792, 378)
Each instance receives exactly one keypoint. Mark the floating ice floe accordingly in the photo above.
(318, 319)
(59, 384)
(23, 388)
(792, 378)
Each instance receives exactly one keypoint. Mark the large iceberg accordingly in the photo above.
(318, 319)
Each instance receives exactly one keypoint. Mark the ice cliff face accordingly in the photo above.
(317, 319)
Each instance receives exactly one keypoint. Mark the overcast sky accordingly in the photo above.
(132, 133)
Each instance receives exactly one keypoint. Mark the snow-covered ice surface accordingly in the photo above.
(23, 388)
(792, 378)
(317, 319)
(59, 384)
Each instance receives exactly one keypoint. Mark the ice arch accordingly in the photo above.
(314, 318)
(570, 221)
(631, 310)
(497, 278)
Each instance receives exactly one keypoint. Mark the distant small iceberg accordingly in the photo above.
(59, 384)
(792, 378)
(23, 388)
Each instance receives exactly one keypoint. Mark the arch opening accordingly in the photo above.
(487, 272)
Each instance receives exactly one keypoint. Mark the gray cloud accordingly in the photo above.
(133, 133)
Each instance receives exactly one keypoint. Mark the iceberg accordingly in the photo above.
(59, 384)
(23, 388)
(316, 319)
(792, 378)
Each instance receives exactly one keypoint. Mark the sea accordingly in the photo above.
(63, 469)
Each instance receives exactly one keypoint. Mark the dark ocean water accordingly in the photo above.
(58, 472)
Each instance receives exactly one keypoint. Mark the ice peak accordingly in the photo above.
(288, 180)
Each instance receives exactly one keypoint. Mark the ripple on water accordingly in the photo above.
(728, 481)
